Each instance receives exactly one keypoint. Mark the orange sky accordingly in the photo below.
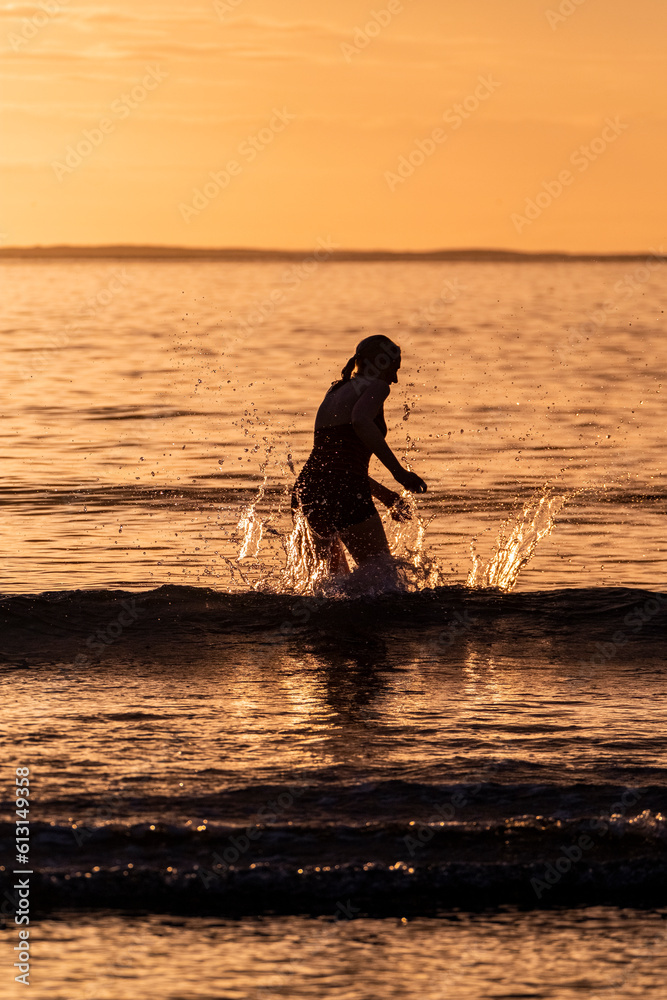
(114, 116)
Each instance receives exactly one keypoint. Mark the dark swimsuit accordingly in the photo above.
(333, 488)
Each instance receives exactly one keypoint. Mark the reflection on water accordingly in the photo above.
(556, 955)
(357, 693)
(134, 444)
(144, 445)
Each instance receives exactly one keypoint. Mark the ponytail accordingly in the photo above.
(346, 373)
(372, 356)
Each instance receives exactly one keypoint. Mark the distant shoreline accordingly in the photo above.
(240, 254)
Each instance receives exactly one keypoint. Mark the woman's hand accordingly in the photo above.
(411, 481)
(401, 510)
(399, 507)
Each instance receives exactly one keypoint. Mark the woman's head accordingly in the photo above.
(378, 355)
(375, 357)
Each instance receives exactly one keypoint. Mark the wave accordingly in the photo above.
(594, 625)
(381, 848)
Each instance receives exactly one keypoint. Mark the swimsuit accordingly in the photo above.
(333, 487)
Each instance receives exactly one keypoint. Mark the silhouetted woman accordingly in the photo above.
(334, 489)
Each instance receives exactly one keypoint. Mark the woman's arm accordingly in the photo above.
(363, 415)
(399, 509)
(383, 493)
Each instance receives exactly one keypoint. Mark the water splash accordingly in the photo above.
(251, 527)
(514, 550)
(305, 572)
(407, 543)
(408, 568)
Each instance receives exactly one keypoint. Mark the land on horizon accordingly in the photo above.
(322, 253)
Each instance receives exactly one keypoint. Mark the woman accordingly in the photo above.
(334, 490)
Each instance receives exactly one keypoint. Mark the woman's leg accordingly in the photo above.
(367, 540)
(338, 565)
(330, 551)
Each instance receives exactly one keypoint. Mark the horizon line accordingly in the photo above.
(324, 252)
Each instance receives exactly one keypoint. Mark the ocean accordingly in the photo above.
(245, 782)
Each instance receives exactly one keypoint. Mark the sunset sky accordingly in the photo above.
(336, 121)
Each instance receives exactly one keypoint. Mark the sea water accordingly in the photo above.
(248, 783)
